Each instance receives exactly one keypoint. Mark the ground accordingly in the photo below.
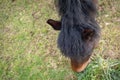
(28, 49)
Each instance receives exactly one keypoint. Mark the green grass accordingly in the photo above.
(101, 69)
(28, 49)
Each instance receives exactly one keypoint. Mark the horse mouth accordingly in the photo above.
(79, 66)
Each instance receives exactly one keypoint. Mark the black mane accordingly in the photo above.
(79, 29)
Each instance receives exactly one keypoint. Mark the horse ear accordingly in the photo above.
(88, 33)
(55, 24)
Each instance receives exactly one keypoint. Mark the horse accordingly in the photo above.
(79, 31)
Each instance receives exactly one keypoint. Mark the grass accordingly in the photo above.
(101, 69)
(28, 49)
